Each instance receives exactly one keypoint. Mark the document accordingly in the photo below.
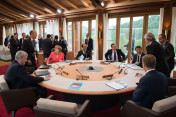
(75, 86)
(117, 85)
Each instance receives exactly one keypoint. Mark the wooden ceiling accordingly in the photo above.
(20, 10)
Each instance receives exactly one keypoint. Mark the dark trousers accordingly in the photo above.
(33, 62)
(42, 92)
(12, 57)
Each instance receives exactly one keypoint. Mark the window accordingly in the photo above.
(77, 37)
(153, 25)
(93, 32)
(137, 32)
(124, 34)
(111, 32)
(84, 30)
(69, 36)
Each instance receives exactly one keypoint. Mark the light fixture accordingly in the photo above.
(59, 11)
(31, 15)
(102, 4)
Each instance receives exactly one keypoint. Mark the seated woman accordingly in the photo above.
(56, 56)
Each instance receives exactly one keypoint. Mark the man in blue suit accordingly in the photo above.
(47, 46)
(152, 86)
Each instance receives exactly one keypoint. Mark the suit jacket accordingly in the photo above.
(14, 45)
(21, 43)
(90, 44)
(64, 46)
(6, 41)
(40, 43)
(86, 55)
(169, 54)
(135, 59)
(47, 45)
(108, 55)
(161, 65)
(152, 87)
(56, 43)
(17, 77)
(53, 57)
(28, 48)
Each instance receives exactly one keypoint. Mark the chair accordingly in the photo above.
(171, 87)
(53, 108)
(15, 99)
(162, 108)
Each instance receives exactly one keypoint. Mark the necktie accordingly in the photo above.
(114, 55)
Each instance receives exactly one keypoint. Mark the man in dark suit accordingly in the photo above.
(155, 49)
(40, 40)
(137, 58)
(29, 47)
(115, 54)
(7, 40)
(56, 42)
(63, 43)
(152, 86)
(14, 46)
(47, 46)
(169, 51)
(85, 53)
(17, 77)
(89, 42)
(22, 39)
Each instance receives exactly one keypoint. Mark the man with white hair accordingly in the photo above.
(17, 77)
(155, 49)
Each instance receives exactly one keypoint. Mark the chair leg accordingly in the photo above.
(13, 113)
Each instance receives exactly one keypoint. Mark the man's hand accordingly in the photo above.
(137, 63)
(46, 78)
(33, 54)
(29, 62)
(86, 58)
(79, 58)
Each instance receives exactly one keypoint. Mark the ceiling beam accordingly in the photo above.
(45, 4)
(6, 4)
(7, 17)
(72, 4)
(60, 5)
(85, 3)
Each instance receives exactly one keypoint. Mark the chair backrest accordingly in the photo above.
(165, 104)
(3, 84)
(57, 106)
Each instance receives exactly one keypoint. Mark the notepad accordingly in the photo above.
(75, 86)
(117, 85)
(42, 73)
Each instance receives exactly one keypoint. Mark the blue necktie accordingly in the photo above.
(114, 55)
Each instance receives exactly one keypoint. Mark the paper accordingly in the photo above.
(47, 76)
(117, 85)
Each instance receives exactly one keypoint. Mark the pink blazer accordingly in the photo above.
(53, 57)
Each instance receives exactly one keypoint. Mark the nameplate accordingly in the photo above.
(72, 64)
(64, 72)
(82, 77)
(87, 62)
(103, 63)
(108, 76)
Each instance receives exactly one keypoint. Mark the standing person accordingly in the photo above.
(169, 51)
(89, 42)
(64, 46)
(56, 42)
(14, 46)
(155, 49)
(22, 39)
(52, 38)
(29, 46)
(7, 40)
(47, 46)
(115, 54)
(40, 40)
(137, 58)
(17, 77)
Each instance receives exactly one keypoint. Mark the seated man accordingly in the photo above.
(115, 54)
(86, 53)
(137, 58)
(17, 77)
(152, 86)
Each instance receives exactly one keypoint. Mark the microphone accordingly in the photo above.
(119, 65)
(127, 68)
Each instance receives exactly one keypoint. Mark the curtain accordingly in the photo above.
(9, 30)
(105, 33)
(161, 20)
(24, 28)
(172, 40)
(4, 35)
(64, 29)
(52, 27)
(96, 40)
(37, 30)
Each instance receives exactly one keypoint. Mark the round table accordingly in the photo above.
(96, 84)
